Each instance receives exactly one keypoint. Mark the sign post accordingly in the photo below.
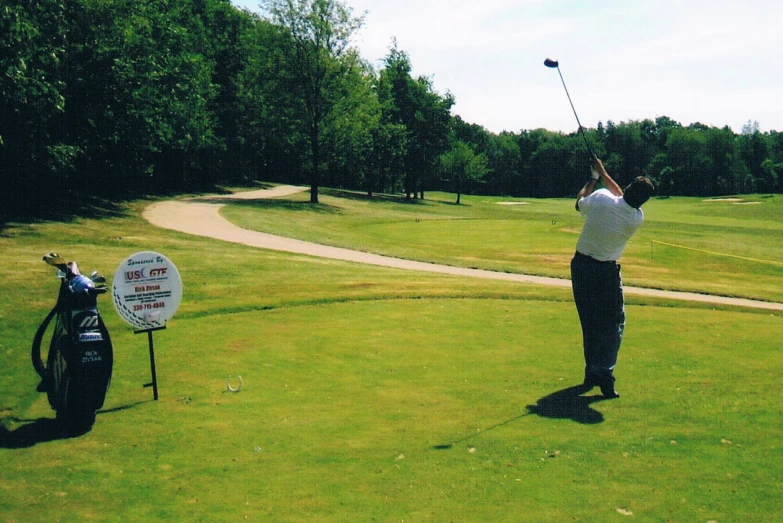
(146, 291)
(154, 382)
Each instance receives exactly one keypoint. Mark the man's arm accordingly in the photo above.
(610, 184)
(598, 173)
(586, 191)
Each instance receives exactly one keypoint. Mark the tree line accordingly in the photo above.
(120, 98)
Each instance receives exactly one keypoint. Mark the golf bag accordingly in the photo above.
(78, 367)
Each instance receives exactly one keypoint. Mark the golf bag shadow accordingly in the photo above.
(78, 366)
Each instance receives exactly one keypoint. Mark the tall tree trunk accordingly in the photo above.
(316, 152)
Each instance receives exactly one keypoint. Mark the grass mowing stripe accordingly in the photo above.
(769, 262)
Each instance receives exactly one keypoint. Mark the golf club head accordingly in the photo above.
(55, 260)
(549, 62)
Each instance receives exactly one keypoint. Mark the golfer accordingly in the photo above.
(611, 217)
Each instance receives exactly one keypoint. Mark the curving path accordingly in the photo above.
(201, 217)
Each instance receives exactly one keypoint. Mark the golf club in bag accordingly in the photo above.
(554, 64)
(78, 367)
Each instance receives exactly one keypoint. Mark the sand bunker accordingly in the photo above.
(733, 201)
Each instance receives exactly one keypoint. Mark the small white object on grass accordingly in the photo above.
(233, 389)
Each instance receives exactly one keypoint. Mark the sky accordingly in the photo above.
(717, 62)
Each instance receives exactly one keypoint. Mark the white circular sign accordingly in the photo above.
(147, 290)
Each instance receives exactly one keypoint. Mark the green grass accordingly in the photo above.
(372, 394)
(539, 236)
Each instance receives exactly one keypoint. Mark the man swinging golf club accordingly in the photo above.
(612, 215)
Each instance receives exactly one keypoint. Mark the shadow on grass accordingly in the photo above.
(44, 430)
(288, 205)
(563, 404)
(376, 197)
(383, 197)
(568, 404)
(493, 427)
(63, 208)
(28, 435)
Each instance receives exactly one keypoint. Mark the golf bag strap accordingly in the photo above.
(35, 352)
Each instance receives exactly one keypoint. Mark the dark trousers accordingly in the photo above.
(598, 294)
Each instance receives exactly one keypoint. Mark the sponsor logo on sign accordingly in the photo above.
(135, 275)
(143, 273)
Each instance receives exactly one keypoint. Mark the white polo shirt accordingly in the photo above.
(609, 224)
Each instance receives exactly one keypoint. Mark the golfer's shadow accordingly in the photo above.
(568, 404)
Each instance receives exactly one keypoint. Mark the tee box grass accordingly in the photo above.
(374, 394)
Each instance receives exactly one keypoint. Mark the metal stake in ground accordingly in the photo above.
(554, 64)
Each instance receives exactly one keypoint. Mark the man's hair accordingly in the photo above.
(638, 192)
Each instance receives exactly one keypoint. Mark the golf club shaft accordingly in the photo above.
(581, 130)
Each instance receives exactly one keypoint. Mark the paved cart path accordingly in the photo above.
(201, 217)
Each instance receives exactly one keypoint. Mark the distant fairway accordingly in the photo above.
(726, 241)
(378, 394)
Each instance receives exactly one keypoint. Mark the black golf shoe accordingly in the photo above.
(606, 383)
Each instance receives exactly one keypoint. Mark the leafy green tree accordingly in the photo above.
(776, 155)
(502, 153)
(559, 166)
(726, 164)
(693, 164)
(425, 114)
(630, 147)
(505, 165)
(663, 127)
(348, 131)
(754, 150)
(138, 94)
(272, 141)
(770, 173)
(528, 143)
(115, 97)
(429, 132)
(387, 159)
(321, 32)
(461, 167)
(34, 152)
(475, 135)
(225, 42)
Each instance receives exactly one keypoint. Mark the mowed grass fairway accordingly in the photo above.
(731, 246)
(374, 394)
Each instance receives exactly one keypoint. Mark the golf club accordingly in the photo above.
(554, 64)
(55, 260)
